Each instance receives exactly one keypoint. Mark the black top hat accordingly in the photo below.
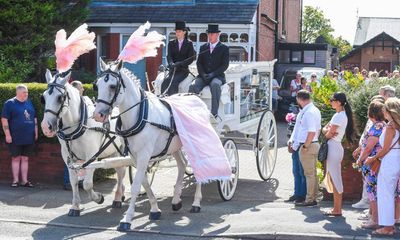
(213, 28)
(181, 25)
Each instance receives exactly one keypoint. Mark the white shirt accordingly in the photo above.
(308, 120)
(339, 119)
(294, 85)
(213, 45)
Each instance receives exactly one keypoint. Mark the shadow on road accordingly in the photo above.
(210, 221)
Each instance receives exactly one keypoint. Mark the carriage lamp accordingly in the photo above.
(255, 81)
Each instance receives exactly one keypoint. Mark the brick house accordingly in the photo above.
(251, 28)
(376, 45)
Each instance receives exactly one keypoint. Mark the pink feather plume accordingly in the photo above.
(68, 50)
(139, 46)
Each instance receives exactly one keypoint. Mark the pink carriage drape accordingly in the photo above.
(201, 143)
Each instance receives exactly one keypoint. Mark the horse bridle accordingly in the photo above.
(120, 82)
(64, 97)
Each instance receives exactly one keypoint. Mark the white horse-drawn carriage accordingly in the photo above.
(245, 107)
(146, 129)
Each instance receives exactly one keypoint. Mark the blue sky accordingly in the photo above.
(343, 13)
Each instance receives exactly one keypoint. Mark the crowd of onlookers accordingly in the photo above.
(377, 155)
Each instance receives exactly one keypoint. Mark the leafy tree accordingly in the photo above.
(315, 24)
(27, 33)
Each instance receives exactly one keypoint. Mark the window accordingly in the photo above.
(234, 37)
(284, 56)
(172, 36)
(104, 49)
(309, 57)
(237, 54)
(193, 37)
(203, 37)
(296, 56)
(223, 37)
(244, 37)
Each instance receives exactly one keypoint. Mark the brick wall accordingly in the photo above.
(265, 32)
(293, 20)
(45, 166)
(370, 54)
(152, 64)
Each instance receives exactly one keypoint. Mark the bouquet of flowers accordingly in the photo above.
(290, 117)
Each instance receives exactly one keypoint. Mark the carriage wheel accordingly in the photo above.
(227, 188)
(150, 176)
(266, 147)
(188, 168)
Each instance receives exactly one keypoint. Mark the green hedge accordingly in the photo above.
(7, 91)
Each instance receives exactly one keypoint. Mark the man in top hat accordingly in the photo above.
(212, 62)
(180, 55)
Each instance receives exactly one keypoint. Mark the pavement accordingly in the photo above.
(257, 210)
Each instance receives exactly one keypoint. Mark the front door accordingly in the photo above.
(380, 67)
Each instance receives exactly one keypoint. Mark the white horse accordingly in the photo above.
(79, 141)
(140, 113)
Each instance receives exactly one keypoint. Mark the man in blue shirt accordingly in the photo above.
(20, 128)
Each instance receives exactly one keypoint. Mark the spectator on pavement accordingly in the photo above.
(370, 146)
(275, 96)
(304, 84)
(305, 140)
(364, 201)
(21, 131)
(389, 172)
(295, 86)
(340, 125)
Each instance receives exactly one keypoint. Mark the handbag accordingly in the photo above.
(323, 151)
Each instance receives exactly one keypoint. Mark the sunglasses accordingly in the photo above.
(332, 100)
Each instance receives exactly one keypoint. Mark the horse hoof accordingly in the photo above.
(195, 209)
(177, 206)
(101, 200)
(116, 204)
(154, 215)
(124, 227)
(123, 199)
(74, 213)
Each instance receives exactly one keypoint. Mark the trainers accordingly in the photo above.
(362, 204)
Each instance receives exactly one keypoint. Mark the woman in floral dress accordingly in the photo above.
(370, 146)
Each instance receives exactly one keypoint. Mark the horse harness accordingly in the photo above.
(81, 129)
(143, 114)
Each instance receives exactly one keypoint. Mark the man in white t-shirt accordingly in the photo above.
(295, 86)
(308, 124)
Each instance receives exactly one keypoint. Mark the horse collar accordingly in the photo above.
(140, 123)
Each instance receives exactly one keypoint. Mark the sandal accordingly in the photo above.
(331, 214)
(14, 184)
(28, 184)
(369, 225)
(384, 232)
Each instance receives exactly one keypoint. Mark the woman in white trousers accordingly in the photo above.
(389, 172)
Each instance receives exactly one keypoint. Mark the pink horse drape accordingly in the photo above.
(201, 143)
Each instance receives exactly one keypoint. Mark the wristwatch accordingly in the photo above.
(304, 146)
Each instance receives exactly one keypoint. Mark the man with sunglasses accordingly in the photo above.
(21, 131)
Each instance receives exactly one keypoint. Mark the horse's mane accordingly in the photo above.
(130, 76)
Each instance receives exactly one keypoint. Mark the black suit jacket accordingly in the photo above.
(216, 62)
(186, 55)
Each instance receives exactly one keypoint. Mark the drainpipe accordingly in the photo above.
(276, 28)
(301, 20)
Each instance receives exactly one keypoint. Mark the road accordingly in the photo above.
(256, 211)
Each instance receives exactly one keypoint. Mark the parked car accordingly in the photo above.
(285, 99)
